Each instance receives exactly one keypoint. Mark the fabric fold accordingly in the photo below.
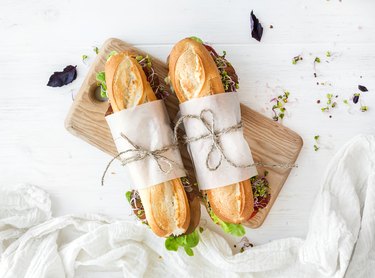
(340, 240)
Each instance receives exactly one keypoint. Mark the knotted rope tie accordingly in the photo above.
(139, 153)
(214, 136)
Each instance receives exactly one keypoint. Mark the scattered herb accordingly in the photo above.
(330, 103)
(245, 244)
(278, 109)
(316, 138)
(187, 242)
(100, 78)
(256, 27)
(362, 88)
(328, 54)
(317, 60)
(364, 108)
(346, 101)
(201, 229)
(356, 98)
(84, 58)
(61, 78)
(96, 50)
(296, 59)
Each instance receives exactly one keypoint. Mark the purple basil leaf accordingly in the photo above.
(61, 78)
(362, 88)
(256, 27)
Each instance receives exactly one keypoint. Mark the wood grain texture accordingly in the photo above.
(269, 141)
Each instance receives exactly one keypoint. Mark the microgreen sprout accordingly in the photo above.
(84, 58)
(261, 191)
(330, 103)
(316, 138)
(328, 54)
(96, 49)
(152, 77)
(278, 109)
(296, 59)
(364, 108)
(245, 244)
(222, 64)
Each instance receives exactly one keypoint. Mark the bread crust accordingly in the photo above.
(166, 205)
(232, 203)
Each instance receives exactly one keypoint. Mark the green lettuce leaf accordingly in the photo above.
(229, 228)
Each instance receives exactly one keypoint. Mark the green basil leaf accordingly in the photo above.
(171, 244)
(189, 251)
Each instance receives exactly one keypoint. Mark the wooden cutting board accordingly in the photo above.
(269, 141)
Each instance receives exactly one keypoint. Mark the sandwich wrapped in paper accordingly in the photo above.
(205, 83)
(141, 131)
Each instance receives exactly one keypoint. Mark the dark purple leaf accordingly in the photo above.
(61, 78)
(356, 98)
(362, 88)
(256, 27)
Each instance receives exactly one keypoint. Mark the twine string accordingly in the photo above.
(215, 137)
(138, 153)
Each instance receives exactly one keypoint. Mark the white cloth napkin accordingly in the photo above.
(340, 240)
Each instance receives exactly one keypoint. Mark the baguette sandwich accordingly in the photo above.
(130, 80)
(196, 70)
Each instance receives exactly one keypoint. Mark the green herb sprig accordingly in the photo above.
(187, 242)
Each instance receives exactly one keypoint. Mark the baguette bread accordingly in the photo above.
(193, 74)
(166, 205)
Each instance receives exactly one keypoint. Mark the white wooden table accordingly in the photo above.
(39, 37)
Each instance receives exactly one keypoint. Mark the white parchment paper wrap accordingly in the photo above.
(226, 110)
(148, 126)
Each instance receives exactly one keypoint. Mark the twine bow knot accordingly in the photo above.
(138, 153)
(213, 135)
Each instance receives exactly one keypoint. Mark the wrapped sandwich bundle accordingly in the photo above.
(205, 84)
(161, 195)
